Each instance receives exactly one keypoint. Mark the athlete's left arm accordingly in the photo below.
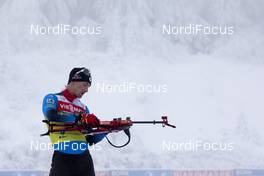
(95, 138)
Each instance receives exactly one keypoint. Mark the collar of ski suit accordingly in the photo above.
(68, 95)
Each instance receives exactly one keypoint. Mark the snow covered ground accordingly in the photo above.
(213, 88)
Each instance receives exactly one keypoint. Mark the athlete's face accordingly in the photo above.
(80, 88)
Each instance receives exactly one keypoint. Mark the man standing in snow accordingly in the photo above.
(71, 156)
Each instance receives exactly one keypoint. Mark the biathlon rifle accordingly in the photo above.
(105, 127)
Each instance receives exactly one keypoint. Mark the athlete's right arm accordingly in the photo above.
(49, 107)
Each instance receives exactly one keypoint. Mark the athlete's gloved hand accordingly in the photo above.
(90, 119)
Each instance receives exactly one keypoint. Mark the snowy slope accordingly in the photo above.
(214, 83)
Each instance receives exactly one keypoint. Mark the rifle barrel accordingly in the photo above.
(152, 122)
